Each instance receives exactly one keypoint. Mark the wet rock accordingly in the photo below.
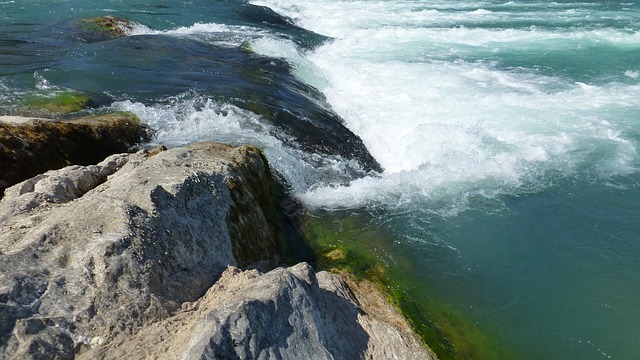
(53, 104)
(104, 27)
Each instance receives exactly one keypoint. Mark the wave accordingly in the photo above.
(220, 34)
(187, 118)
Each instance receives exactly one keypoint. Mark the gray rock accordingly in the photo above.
(136, 257)
(96, 253)
(283, 314)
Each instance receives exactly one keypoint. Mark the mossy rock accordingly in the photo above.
(53, 104)
(109, 26)
(247, 48)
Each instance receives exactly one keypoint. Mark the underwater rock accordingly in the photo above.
(30, 146)
(53, 104)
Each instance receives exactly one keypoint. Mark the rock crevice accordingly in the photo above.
(31, 146)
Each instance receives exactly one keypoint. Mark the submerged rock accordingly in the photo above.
(53, 104)
(30, 146)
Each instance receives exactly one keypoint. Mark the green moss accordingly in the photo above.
(108, 25)
(353, 243)
(246, 47)
(54, 104)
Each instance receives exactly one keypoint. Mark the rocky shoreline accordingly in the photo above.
(174, 254)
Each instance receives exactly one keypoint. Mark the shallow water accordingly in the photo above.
(507, 131)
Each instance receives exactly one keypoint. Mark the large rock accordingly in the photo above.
(84, 261)
(31, 146)
(137, 257)
(288, 313)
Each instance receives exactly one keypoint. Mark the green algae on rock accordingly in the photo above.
(53, 104)
(30, 146)
(109, 26)
(247, 48)
(345, 243)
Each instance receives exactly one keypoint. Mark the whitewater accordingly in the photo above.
(506, 134)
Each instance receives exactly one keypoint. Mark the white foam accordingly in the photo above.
(632, 74)
(337, 18)
(453, 130)
(226, 35)
(186, 119)
(41, 82)
(303, 69)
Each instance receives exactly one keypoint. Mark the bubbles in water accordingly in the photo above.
(41, 82)
(303, 69)
(454, 129)
(186, 119)
(220, 34)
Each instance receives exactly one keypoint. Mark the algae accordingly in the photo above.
(247, 48)
(53, 104)
(351, 242)
(109, 25)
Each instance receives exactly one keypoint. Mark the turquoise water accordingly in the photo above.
(507, 130)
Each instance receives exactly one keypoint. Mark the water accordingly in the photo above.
(507, 130)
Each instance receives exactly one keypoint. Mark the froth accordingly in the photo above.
(447, 130)
(473, 126)
(217, 33)
(187, 118)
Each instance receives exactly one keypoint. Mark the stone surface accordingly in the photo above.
(31, 146)
(18, 120)
(283, 314)
(52, 104)
(104, 27)
(92, 254)
(136, 257)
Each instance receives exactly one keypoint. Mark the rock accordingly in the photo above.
(283, 314)
(95, 253)
(31, 146)
(137, 257)
(53, 104)
(104, 27)
(18, 120)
